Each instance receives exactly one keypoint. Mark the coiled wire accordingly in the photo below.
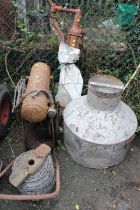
(42, 182)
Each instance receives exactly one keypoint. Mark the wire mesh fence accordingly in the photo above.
(111, 43)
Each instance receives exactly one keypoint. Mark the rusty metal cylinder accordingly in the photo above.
(35, 102)
(75, 33)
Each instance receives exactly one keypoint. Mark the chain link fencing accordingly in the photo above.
(109, 45)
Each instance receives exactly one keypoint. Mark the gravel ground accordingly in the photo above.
(82, 188)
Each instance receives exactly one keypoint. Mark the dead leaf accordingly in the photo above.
(114, 205)
(114, 172)
(77, 207)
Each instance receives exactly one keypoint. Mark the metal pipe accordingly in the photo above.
(58, 30)
(6, 169)
(37, 197)
(75, 33)
(56, 7)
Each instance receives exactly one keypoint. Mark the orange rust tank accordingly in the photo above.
(35, 101)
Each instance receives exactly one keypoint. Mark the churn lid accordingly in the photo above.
(106, 86)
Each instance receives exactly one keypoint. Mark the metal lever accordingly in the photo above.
(107, 85)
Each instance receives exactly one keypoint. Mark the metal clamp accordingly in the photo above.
(35, 93)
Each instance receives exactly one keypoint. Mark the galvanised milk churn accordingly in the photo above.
(99, 127)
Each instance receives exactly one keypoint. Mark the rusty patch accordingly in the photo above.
(34, 109)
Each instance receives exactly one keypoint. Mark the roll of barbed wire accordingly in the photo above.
(42, 182)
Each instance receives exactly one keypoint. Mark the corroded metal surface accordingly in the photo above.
(97, 129)
(34, 109)
(3, 172)
(101, 127)
(94, 155)
(76, 32)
